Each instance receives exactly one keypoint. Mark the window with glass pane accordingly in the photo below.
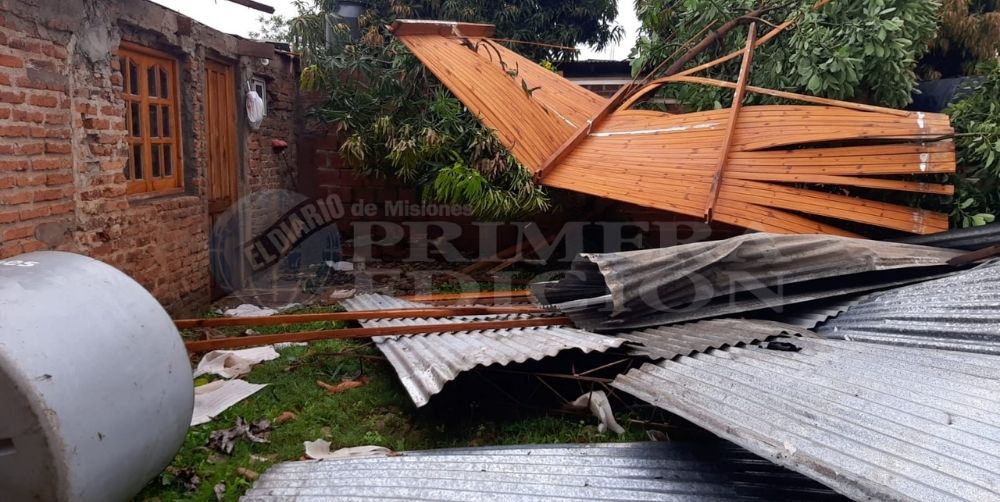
(149, 89)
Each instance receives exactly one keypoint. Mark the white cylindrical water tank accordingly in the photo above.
(95, 385)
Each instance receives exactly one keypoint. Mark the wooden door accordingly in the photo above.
(220, 122)
(223, 165)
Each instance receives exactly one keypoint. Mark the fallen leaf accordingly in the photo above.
(247, 473)
(342, 386)
(187, 478)
(285, 417)
(224, 440)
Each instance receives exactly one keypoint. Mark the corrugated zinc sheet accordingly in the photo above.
(425, 363)
(959, 312)
(667, 342)
(969, 239)
(873, 422)
(660, 471)
(654, 287)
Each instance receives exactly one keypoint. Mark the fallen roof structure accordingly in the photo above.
(756, 167)
(874, 422)
(668, 342)
(653, 287)
(959, 312)
(425, 363)
(625, 471)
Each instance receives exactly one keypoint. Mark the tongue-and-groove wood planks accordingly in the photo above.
(777, 157)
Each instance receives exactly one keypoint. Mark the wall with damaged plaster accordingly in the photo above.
(63, 148)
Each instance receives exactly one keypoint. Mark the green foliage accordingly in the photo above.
(976, 119)
(399, 121)
(863, 51)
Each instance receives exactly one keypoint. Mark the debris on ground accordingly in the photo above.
(220, 492)
(286, 416)
(597, 402)
(248, 310)
(186, 478)
(213, 398)
(247, 473)
(224, 440)
(343, 386)
(320, 450)
(233, 363)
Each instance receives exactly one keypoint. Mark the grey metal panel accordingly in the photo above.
(628, 471)
(970, 239)
(682, 283)
(667, 342)
(870, 421)
(959, 312)
(425, 363)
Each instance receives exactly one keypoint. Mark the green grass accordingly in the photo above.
(378, 413)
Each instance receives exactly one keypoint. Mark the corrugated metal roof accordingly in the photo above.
(425, 363)
(628, 471)
(871, 421)
(667, 342)
(959, 312)
(654, 287)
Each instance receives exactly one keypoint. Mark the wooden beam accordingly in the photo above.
(790, 95)
(583, 132)
(763, 40)
(734, 115)
(355, 316)
(253, 48)
(405, 27)
(254, 5)
(348, 333)
(484, 295)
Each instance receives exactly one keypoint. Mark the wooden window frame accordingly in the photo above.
(146, 58)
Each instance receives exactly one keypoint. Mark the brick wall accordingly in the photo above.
(62, 141)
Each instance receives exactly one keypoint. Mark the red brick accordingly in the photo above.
(19, 232)
(4, 78)
(12, 131)
(4, 113)
(48, 163)
(12, 198)
(86, 108)
(8, 217)
(58, 179)
(30, 148)
(50, 194)
(32, 246)
(62, 208)
(16, 98)
(58, 147)
(26, 44)
(23, 115)
(43, 100)
(38, 212)
(96, 123)
(11, 61)
(57, 118)
(8, 249)
(31, 180)
(14, 165)
(8, 182)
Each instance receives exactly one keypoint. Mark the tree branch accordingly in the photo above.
(714, 37)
